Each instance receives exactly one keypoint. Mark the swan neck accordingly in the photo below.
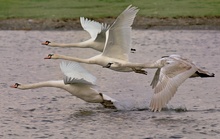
(65, 44)
(73, 59)
(155, 64)
(58, 84)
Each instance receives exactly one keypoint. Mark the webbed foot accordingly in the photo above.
(108, 65)
(108, 104)
(139, 71)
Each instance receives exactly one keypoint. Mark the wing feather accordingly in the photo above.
(156, 78)
(75, 73)
(118, 37)
(93, 28)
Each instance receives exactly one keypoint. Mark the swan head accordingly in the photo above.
(16, 85)
(51, 56)
(45, 43)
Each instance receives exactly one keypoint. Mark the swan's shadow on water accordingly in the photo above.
(91, 111)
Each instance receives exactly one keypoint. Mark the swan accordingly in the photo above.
(171, 72)
(117, 45)
(77, 81)
(96, 31)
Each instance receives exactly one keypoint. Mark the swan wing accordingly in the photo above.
(75, 73)
(170, 78)
(118, 37)
(95, 29)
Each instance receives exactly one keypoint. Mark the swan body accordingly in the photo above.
(99, 60)
(77, 81)
(171, 72)
(117, 45)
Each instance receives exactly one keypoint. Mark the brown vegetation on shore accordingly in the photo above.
(212, 23)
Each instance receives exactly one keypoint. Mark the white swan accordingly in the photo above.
(171, 72)
(97, 33)
(95, 29)
(77, 81)
(117, 45)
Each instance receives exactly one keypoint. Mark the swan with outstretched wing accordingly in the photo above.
(77, 81)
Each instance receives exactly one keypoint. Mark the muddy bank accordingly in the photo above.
(201, 23)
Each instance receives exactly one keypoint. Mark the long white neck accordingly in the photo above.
(57, 84)
(68, 45)
(155, 64)
(73, 59)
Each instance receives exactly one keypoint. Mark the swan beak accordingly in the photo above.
(48, 57)
(45, 43)
(13, 86)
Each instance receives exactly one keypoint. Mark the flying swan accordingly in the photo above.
(117, 45)
(171, 72)
(96, 31)
(77, 81)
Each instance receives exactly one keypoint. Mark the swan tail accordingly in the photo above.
(203, 74)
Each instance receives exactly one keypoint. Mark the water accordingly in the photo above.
(53, 113)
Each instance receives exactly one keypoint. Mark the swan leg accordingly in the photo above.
(107, 103)
(108, 65)
(139, 71)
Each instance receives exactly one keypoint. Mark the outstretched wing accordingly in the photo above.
(166, 82)
(95, 29)
(118, 37)
(75, 73)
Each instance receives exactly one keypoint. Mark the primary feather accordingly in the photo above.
(93, 27)
(75, 73)
(118, 37)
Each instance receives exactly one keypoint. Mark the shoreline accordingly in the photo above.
(185, 23)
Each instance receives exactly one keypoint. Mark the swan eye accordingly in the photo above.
(47, 42)
(50, 55)
(17, 84)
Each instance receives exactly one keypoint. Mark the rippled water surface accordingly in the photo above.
(54, 113)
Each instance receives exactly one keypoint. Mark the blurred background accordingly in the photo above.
(161, 12)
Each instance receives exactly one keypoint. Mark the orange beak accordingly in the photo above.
(13, 86)
(45, 43)
(48, 57)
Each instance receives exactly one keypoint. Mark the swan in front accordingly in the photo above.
(77, 81)
(97, 39)
(171, 72)
(117, 45)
